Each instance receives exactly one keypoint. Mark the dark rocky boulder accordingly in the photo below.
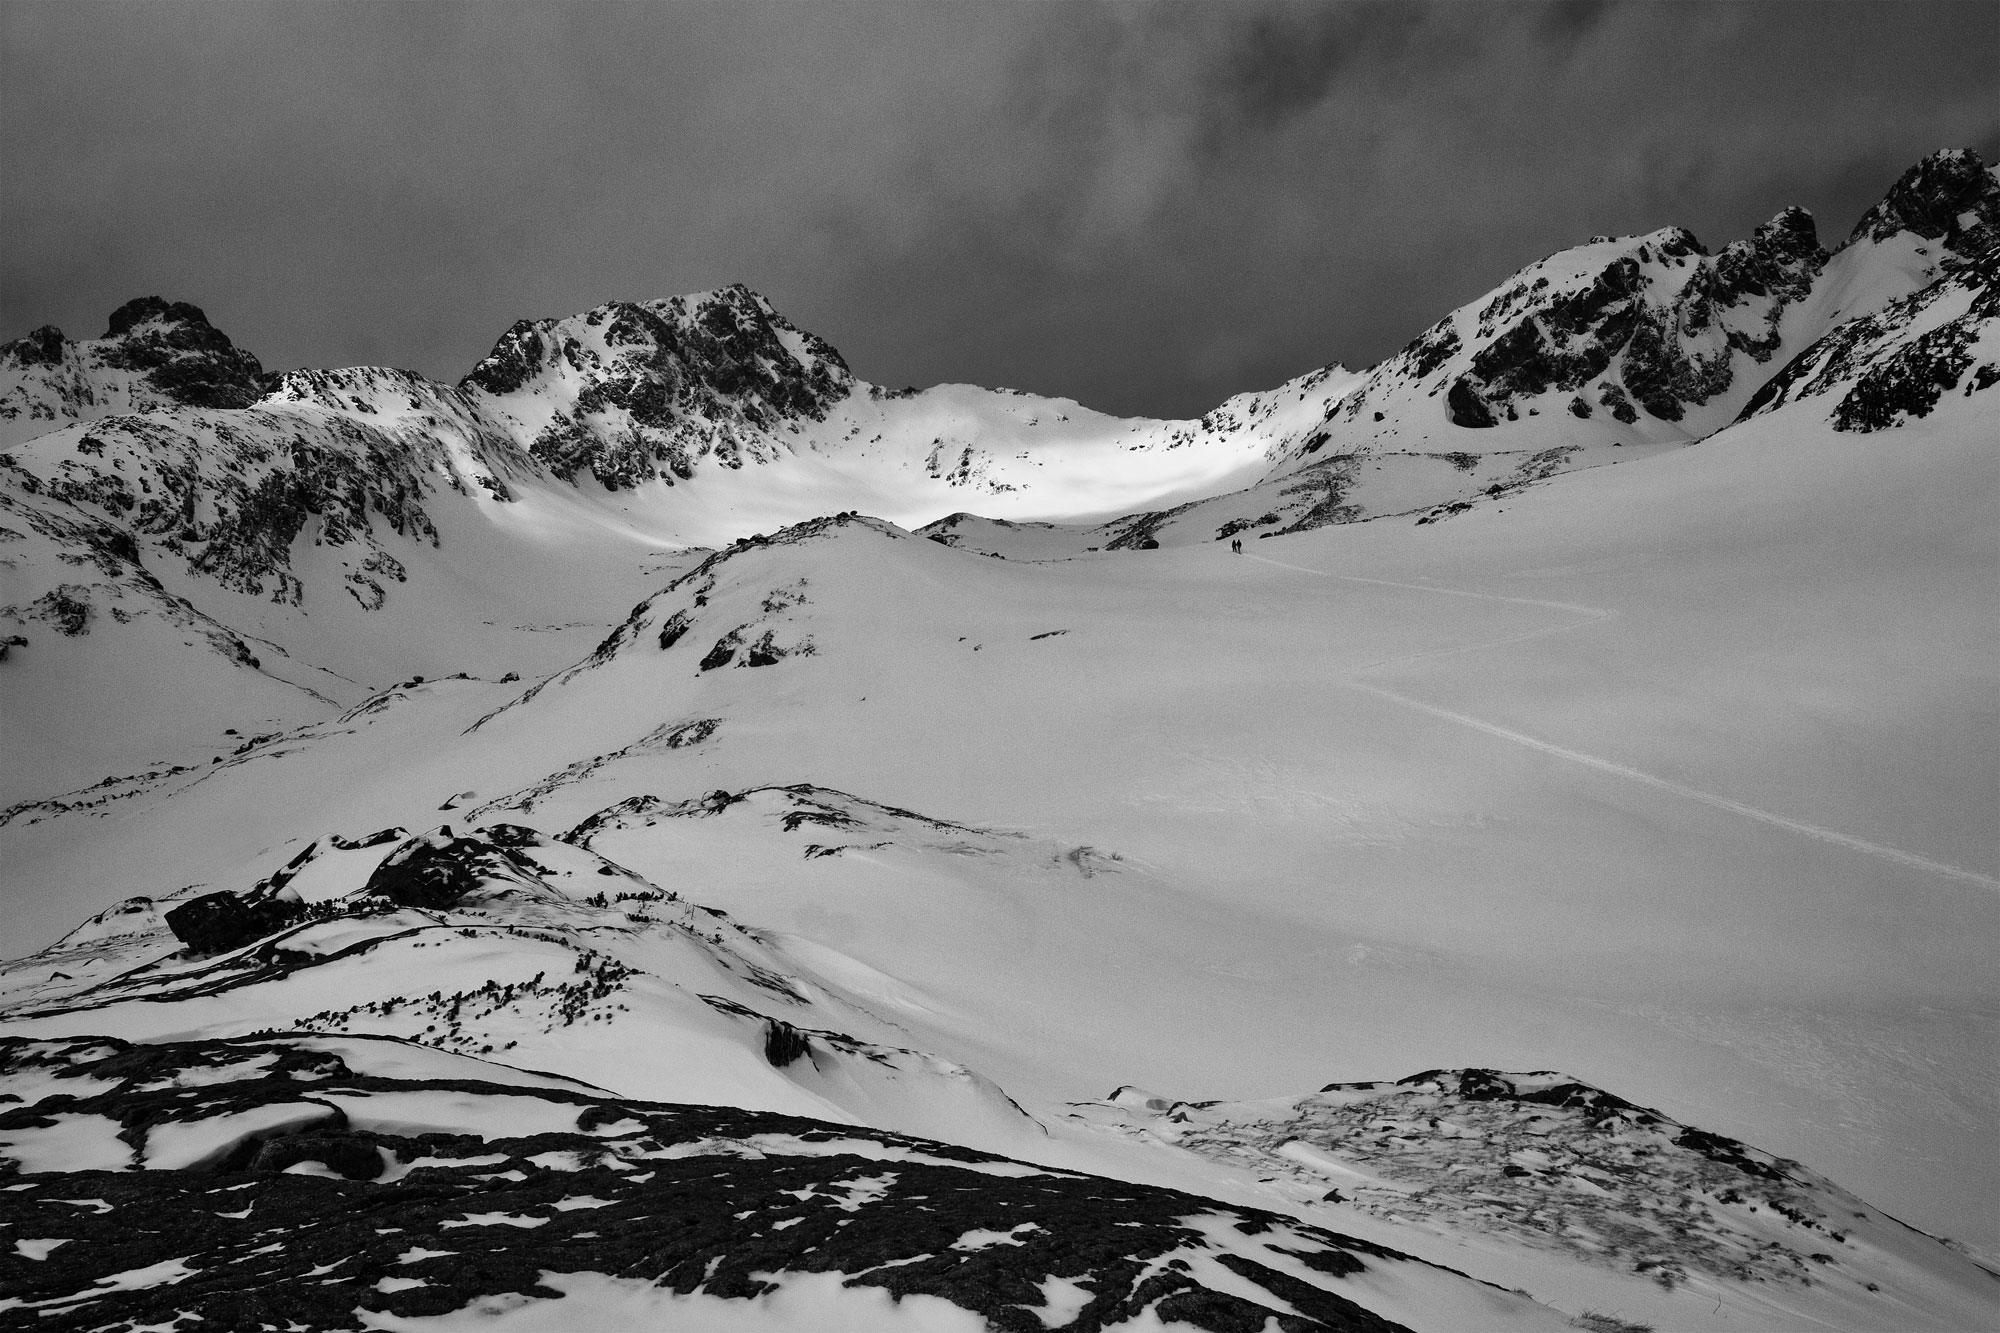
(723, 651)
(219, 922)
(351, 1156)
(437, 869)
(783, 1043)
(1468, 409)
(39, 347)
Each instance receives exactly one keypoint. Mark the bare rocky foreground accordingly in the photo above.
(277, 1185)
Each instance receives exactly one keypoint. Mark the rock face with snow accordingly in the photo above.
(1640, 339)
(75, 574)
(1642, 343)
(1635, 344)
(1950, 197)
(354, 455)
(154, 354)
(1651, 330)
(1553, 1164)
(1653, 324)
(633, 392)
(1885, 369)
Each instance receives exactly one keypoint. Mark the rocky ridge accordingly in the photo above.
(1631, 345)
(1654, 324)
(1657, 328)
(153, 355)
(1640, 343)
(643, 391)
(1951, 197)
(1897, 365)
(342, 458)
(534, 946)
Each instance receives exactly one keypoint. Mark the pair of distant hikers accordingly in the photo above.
(1236, 546)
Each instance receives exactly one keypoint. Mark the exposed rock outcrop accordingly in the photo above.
(219, 922)
(640, 391)
(1951, 196)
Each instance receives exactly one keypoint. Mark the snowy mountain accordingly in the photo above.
(1632, 344)
(1651, 336)
(639, 392)
(1893, 366)
(153, 355)
(566, 849)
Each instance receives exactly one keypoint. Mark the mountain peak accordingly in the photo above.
(153, 309)
(185, 358)
(154, 353)
(38, 347)
(1792, 233)
(636, 391)
(1950, 195)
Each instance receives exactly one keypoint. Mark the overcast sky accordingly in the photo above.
(1145, 207)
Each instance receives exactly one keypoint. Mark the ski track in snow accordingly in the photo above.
(1594, 615)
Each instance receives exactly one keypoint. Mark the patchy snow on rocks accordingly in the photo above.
(370, 1180)
(1543, 1162)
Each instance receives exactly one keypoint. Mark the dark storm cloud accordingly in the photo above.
(1146, 207)
(1289, 58)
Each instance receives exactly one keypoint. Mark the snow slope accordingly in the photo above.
(1676, 774)
(1518, 1179)
(1306, 818)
